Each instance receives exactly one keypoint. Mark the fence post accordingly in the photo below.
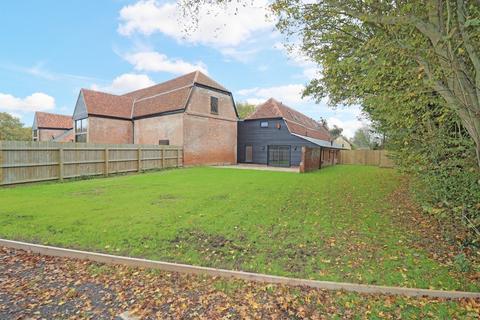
(178, 157)
(162, 155)
(60, 163)
(106, 162)
(139, 154)
(1, 163)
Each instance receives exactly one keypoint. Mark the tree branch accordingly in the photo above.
(469, 47)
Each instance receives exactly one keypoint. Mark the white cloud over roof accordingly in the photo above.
(37, 101)
(225, 25)
(125, 83)
(152, 61)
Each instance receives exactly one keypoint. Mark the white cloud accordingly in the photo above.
(37, 101)
(242, 55)
(349, 119)
(38, 70)
(310, 70)
(288, 94)
(125, 83)
(152, 61)
(225, 25)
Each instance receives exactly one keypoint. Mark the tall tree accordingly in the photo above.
(336, 131)
(438, 39)
(12, 129)
(414, 68)
(366, 138)
(244, 109)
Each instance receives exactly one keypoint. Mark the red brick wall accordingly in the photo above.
(106, 130)
(49, 134)
(316, 158)
(210, 139)
(310, 159)
(167, 127)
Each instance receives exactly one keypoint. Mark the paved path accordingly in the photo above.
(247, 166)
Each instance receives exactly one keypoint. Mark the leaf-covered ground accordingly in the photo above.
(41, 287)
(342, 223)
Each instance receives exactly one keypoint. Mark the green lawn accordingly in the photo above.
(343, 223)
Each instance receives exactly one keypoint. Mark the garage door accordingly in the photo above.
(279, 156)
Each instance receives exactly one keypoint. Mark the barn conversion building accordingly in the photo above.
(192, 111)
(197, 113)
(275, 134)
(52, 127)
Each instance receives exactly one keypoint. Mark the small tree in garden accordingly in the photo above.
(12, 129)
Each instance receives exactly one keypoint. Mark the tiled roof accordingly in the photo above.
(53, 120)
(173, 100)
(320, 142)
(297, 122)
(182, 81)
(105, 104)
(163, 97)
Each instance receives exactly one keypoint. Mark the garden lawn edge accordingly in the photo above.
(257, 277)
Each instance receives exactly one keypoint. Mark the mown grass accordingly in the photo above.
(339, 224)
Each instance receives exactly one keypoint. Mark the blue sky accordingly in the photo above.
(51, 49)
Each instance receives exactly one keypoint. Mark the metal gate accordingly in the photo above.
(279, 156)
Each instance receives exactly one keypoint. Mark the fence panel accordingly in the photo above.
(366, 157)
(31, 161)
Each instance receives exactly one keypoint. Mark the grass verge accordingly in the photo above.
(343, 223)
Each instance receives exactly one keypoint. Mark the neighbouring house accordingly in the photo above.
(192, 111)
(275, 134)
(343, 142)
(52, 127)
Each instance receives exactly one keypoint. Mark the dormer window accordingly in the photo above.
(214, 105)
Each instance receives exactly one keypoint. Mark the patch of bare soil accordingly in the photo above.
(41, 287)
(225, 252)
(440, 238)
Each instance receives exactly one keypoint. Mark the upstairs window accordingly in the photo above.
(35, 135)
(214, 105)
(264, 124)
(81, 129)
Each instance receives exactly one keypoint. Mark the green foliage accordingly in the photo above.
(379, 55)
(366, 138)
(244, 109)
(342, 223)
(12, 129)
(335, 132)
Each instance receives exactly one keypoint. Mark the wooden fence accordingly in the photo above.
(24, 161)
(366, 157)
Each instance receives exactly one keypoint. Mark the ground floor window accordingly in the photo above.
(81, 129)
(279, 156)
(81, 138)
